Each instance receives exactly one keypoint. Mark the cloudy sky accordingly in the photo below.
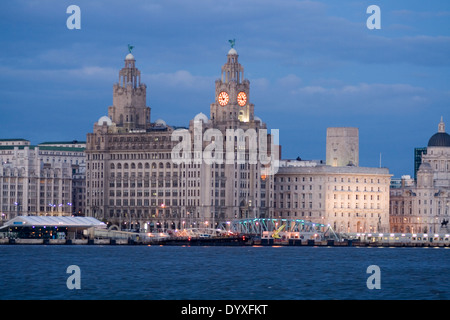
(311, 65)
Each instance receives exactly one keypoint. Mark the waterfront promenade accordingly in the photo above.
(226, 241)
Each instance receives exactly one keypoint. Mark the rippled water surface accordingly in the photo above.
(223, 273)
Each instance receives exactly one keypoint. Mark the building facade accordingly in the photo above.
(52, 155)
(14, 142)
(30, 187)
(339, 193)
(418, 153)
(79, 190)
(146, 175)
(71, 152)
(423, 206)
(342, 147)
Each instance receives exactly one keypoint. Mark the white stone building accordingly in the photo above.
(424, 206)
(14, 142)
(347, 197)
(53, 155)
(29, 187)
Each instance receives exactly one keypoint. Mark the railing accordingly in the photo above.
(399, 238)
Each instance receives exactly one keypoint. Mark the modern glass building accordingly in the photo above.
(418, 152)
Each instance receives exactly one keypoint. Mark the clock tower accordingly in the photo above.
(240, 185)
(232, 94)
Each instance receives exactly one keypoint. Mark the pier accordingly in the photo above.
(248, 232)
(225, 241)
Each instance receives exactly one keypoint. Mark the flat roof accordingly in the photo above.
(62, 221)
(69, 149)
(63, 142)
(43, 148)
(18, 139)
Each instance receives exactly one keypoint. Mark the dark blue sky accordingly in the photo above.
(311, 65)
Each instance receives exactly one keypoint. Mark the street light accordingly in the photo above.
(17, 204)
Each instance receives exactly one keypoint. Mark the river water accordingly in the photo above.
(222, 273)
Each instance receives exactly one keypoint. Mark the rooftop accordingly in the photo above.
(26, 221)
(19, 139)
(316, 167)
(63, 142)
(44, 148)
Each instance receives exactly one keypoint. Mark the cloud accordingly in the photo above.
(84, 73)
(310, 63)
(181, 79)
(93, 72)
(291, 80)
(425, 14)
(364, 98)
(311, 90)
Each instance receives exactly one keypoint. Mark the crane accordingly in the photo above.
(276, 233)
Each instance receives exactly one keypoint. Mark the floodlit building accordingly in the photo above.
(337, 192)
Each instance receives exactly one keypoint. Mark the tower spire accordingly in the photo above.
(129, 110)
(232, 70)
(441, 127)
(232, 92)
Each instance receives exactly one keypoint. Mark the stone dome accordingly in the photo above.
(232, 51)
(129, 57)
(425, 166)
(201, 117)
(104, 119)
(160, 122)
(440, 139)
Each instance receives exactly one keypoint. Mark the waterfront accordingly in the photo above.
(223, 273)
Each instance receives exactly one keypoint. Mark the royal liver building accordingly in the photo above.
(147, 175)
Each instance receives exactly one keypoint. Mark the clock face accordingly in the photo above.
(223, 98)
(242, 99)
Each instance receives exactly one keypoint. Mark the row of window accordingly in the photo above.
(330, 179)
(357, 206)
(357, 197)
(296, 187)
